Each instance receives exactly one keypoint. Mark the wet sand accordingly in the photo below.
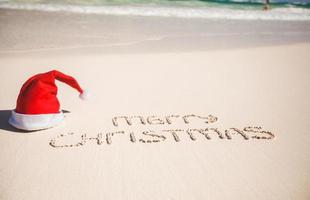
(35, 31)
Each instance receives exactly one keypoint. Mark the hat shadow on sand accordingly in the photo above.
(4, 121)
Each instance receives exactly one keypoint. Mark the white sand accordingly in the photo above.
(266, 87)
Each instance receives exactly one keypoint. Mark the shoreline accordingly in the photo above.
(193, 12)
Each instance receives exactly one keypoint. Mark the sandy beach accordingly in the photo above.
(180, 109)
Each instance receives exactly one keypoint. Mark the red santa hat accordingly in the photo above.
(37, 104)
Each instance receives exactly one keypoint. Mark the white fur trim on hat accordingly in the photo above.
(35, 122)
(85, 95)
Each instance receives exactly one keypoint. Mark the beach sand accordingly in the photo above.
(254, 80)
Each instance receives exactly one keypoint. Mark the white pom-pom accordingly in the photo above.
(85, 95)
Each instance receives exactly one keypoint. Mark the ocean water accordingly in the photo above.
(213, 9)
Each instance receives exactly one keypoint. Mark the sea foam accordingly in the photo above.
(292, 14)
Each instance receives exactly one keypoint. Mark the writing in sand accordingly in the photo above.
(72, 139)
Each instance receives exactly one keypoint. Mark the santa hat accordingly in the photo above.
(37, 104)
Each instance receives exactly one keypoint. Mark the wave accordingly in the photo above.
(290, 13)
